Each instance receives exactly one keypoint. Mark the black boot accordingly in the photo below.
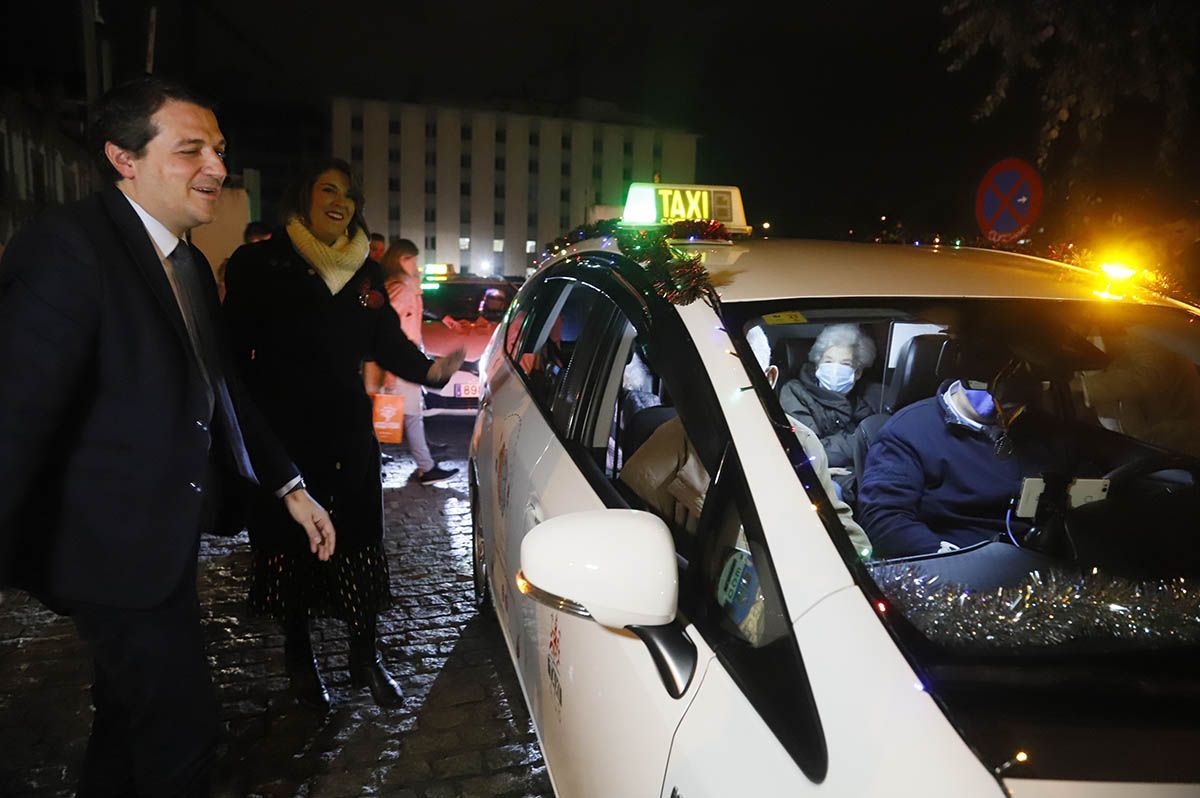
(306, 684)
(366, 670)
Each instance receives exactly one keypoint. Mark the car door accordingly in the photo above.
(604, 715)
(505, 450)
(753, 728)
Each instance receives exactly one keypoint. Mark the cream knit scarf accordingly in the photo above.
(336, 264)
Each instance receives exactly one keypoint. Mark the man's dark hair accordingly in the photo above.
(256, 229)
(123, 116)
(405, 247)
(378, 237)
(297, 200)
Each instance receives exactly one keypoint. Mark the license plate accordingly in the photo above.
(467, 390)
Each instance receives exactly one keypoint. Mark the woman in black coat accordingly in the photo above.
(304, 309)
(829, 396)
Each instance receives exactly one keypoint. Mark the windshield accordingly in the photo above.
(1014, 476)
(467, 301)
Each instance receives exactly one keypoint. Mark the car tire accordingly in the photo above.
(483, 596)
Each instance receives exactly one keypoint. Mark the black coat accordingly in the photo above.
(833, 416)
(107, 461)
(300, 350)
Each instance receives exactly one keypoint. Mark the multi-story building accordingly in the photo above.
(484, 189)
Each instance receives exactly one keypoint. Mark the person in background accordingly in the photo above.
(120, 419)
(256, 231)
(252, 233)
(304, 310)
(377, 247)
(403, 276)
(829, 396)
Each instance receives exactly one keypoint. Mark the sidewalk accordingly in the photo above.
(464, 730)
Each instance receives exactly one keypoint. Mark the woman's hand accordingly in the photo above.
(316, 522)
(442, 369)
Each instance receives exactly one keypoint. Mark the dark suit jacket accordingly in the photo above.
(106, 446)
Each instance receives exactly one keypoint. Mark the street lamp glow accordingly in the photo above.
(766, 225)
(883, 218)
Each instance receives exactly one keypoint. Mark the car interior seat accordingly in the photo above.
(924, 362)
(789, 355)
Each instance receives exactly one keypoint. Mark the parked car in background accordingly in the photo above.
(461, 311)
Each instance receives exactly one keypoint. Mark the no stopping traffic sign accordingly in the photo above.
(1008, 201)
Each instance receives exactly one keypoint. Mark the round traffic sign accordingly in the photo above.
(1008, 201)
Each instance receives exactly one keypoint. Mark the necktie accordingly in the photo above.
(203, 336)
(199, 326)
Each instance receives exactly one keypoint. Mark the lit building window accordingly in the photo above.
(497, 245)
(530, 246)
(464, 243)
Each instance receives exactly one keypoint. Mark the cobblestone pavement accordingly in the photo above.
(464, 729)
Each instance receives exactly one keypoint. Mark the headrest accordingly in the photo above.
(790, 354)
(924, 362)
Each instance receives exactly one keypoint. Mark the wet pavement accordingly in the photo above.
(464, 730)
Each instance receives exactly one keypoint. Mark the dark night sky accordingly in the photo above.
(825, 116)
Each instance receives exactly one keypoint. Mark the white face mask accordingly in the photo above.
(836, 377)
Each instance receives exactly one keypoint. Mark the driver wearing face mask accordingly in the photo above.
(829, 396)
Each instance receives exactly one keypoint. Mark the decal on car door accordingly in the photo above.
(553, 660)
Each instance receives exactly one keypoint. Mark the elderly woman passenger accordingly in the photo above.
(828, 396)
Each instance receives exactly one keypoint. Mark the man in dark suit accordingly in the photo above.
(118, 416)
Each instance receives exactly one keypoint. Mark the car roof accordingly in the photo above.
(790, 268)
(764, 269)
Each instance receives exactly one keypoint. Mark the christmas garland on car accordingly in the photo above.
(679, 278)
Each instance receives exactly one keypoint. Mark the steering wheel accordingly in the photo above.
(1124, 475)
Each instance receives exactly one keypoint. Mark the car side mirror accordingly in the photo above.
(615, 566)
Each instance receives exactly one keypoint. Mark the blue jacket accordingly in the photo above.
(929, 478)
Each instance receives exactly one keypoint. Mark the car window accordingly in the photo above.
(520, 310)
(545, 355)
(1021, 443)
(738, 581)
(618, 409)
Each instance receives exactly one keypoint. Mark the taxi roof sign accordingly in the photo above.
(667, 203)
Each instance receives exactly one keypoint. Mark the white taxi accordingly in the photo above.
(714, 629)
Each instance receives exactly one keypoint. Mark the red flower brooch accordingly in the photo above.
(368, 297)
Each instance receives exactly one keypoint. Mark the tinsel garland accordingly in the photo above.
(1046, 610)
(677, 278)
(699, 230)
